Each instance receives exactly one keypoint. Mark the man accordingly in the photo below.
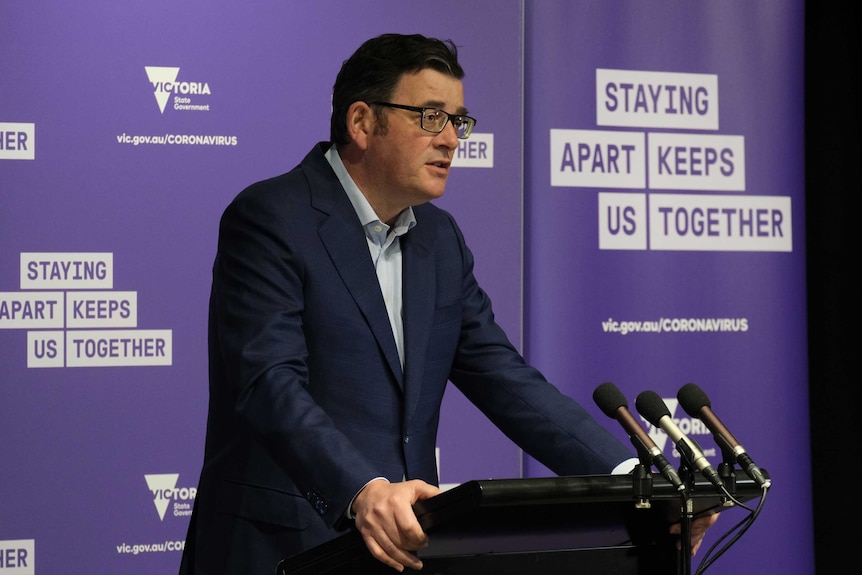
(342, 302)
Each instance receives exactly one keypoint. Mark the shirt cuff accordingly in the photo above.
(626, 466)
(349, 513)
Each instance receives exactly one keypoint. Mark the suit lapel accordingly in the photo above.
(344, 239)
(419, 293)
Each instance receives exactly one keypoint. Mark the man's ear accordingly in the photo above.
(361, 122)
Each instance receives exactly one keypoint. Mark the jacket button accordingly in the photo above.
(406, 439)
(318, 502)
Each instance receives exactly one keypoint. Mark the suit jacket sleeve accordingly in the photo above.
(547, 424)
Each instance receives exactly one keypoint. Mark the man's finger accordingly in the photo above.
(389, 554)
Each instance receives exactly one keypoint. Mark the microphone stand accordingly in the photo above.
(686, 516)
(641, 477)
(726, 469)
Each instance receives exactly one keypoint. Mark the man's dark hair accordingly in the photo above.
(373, 71)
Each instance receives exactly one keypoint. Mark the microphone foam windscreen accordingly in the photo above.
(651, 406)
(609, 399)
(692, 399)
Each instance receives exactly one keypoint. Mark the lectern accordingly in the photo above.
(589, 525)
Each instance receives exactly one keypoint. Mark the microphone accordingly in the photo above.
(613, 403)
(695, 403)
(653, 408)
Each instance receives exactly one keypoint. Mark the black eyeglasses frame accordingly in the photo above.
(462, 119)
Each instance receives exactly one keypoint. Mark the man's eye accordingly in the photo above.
(433, 116)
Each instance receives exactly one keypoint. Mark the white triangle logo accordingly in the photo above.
(163, 80)
(161, 485)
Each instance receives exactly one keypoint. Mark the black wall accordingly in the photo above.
(833, 163)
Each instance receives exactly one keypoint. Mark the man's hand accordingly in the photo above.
(699, 527)
(385, 518)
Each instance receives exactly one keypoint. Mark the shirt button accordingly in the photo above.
(378, 228)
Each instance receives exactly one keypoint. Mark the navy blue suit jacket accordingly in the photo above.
(308, 400)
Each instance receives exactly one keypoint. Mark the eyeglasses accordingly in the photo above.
(434, 120)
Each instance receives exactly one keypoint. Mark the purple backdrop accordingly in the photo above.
(665, 218)
(126, 129)
(130, 128)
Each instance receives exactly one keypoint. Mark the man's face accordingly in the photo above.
(410, 164)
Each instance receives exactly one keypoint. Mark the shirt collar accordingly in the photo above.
(405, 220)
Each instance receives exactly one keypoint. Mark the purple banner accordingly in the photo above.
(633, 188)
(665, 229)
(126, 129)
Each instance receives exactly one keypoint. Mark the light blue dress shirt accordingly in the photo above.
(384, 245)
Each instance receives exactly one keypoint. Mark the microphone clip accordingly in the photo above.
(727, 472)
(642, 486)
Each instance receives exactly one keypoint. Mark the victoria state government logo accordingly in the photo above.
(166, 494)
(185, 96)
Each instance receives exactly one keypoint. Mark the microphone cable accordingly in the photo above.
(740, 528)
